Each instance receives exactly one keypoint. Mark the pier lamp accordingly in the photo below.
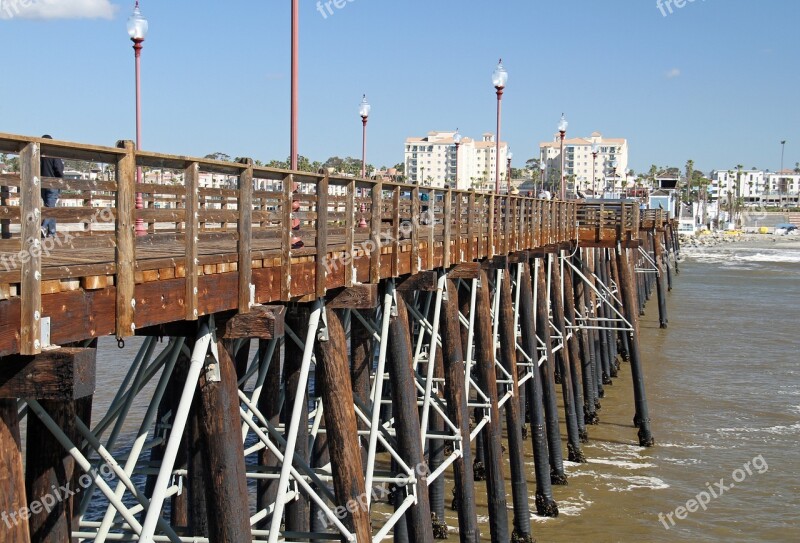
(363, 111)
(457, 142)
(499, 80)
(594, 164)
(562, 131)
(137, 30)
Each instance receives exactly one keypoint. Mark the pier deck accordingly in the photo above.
(448, 307)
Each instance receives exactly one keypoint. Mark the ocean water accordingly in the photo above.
(723, 385)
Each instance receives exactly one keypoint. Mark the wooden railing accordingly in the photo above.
(364, 230)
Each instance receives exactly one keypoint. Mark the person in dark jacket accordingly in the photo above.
(50, 167)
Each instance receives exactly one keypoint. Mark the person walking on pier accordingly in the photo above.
(50, 167)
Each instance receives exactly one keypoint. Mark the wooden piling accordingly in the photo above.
(658, 256)
(223, 450)
(298, 512)
(516, 446)
(573, 345)
(587, 362)
(545, 505)
(641, 418)
(453, 362)
(557, 475)
(485, 360)
(48, 466)
(562, 357)
(406, 417)
(269, 404)
(340, 423)
(13, 498)
(361, 353)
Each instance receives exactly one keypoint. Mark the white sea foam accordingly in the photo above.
(732, 255)
(683, 461)
(621, 463)
(778, 430)
(634, 482)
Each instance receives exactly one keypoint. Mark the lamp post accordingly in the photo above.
(562, 131)
(594, 164)
(499, 80)
(508, 171)
(363, 110)
(614, 172)
(457, 142)
(137, 30)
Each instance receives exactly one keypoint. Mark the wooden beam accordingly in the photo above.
(125, 254)
(263, 322)
(425, 281)
(356, 297)
(31, 254)
(467, 270)
(67, 373)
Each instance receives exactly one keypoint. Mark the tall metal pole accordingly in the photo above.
(497, 145)
(563, 189)
(363, 146)
(137, 50)
(594, 165)
(295, 87)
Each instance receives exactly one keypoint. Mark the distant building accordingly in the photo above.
(578, 162)
(431, 161)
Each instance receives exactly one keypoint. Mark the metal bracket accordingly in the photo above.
(212, 369)
(322, 333)
(252, 295)
(45, 331)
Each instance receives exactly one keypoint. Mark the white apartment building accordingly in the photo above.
(431, 161)
(578, 161)
(751, 186)
(755, 185)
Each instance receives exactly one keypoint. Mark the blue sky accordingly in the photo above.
(715, 81)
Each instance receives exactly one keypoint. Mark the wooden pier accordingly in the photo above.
(304, 393)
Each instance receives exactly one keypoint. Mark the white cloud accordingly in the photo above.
(673, 73)
(56, 9)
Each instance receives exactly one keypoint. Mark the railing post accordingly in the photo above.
(396, 231)
(245, 228)
(125, 256)
(286, 237)
(490, 248)
(447, 221)
(375, 233)
(471, 227)
(30, 198)
(191, 177)
(322, 236)
(350, 232)
(415, 212)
